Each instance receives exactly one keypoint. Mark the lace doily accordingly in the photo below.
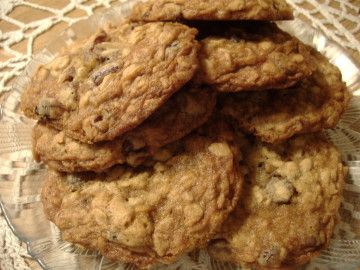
(12, 253)
(338, 19)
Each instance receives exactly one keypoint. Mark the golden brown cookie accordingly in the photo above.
(276, 115)
(252, 56)
(183, 112)
(149, 214)
(288, 208)
(98, 90)
(173, 10)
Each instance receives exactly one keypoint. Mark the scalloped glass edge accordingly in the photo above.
(21, 177)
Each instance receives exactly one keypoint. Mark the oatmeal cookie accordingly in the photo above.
(183, 112)
(276, 115)
(170, 10)
(253, 56)
(287, 212)
(149, 214)
(99, 90)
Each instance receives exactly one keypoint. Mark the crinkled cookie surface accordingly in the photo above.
(183, 112)
(276, 115)
(99, 90)
(252, 56)
(150, 214)
(287, 211)
(170, 10)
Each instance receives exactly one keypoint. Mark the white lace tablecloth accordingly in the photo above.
(21, 36)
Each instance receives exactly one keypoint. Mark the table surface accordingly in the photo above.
(337, 18)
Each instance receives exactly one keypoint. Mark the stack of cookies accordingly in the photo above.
(192, 124)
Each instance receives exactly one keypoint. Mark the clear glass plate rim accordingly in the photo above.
(103, 14)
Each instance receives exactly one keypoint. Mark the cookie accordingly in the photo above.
(183, 112)
(149, 214)
(288, 208)
(99, 90)
(252, 56)
(173, 10)
(276, 115)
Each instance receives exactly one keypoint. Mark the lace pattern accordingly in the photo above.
(12, 253)
(340, 24)
(30, 31)
(338, 19)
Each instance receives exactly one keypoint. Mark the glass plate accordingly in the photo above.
(21, 177)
